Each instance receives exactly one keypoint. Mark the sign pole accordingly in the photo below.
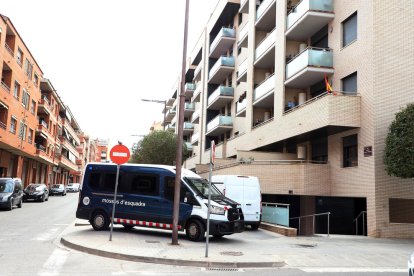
(113, 206)
(212, 155)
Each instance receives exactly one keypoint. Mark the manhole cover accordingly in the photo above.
(231, 253)
(307, 245)
(152, 241)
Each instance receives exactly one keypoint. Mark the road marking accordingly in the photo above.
(46, 236)
(353, 269)
(136, 272)
(54, 263)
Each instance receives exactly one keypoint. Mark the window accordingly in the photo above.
(350, 151)
(144, 184)
(30, 136)
(19, 56)
(349, 30)
(16, 91)
(33, 107)
(169, 184)
(28, 69)
(25, 99)
(36, 79)
(350, 83)
(22, 131)
(13, 125)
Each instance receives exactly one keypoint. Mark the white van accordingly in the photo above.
(244, 190)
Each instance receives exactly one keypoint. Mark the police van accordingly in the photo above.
(145, 198)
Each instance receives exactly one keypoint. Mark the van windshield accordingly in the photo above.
(200, 186)
(6, 187)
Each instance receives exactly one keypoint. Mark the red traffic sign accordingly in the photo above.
(119, 154)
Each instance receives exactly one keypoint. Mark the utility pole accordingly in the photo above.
(179, 155)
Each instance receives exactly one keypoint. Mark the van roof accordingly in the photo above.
(184, 172)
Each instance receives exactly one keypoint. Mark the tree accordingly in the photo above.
(158, 147)
(399, 144)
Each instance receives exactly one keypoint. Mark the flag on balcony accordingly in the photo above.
(328, 86)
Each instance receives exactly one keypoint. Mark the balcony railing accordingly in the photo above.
(263, 7)
(5, 87)
(9, 49)
(43, 123)
(44, 98)
(264, 87)
(189, 106)
(316, 57)
(265, 44)
(227, 63)
(3, 125)
(224, 33)
(190, 86)
(220, 120)
(307, 5)
(224, 91)
(188, 125)
(189, 146)
(40, 147)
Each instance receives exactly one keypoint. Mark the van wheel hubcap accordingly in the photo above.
(193, 230)
(99, 221)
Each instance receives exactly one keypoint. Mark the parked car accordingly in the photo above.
(244, 190)
(73, 187)
(37, 192)
(11, 193)
(58, 189)
(411, 265)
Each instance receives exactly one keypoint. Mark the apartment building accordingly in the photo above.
(301, 94)
(38, 133)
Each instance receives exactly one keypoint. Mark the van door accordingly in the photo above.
(251, 202)
(185, 207)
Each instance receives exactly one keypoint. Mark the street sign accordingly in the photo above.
(119, 154)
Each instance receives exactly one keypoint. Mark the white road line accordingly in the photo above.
(54, 263)
(46, 236)
(353, 269)
(136, 272)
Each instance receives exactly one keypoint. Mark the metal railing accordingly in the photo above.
(9, 49)
(313, 220)
(363, 213)
(5, 86)
(3, 125)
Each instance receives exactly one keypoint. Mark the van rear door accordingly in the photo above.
(251, 202)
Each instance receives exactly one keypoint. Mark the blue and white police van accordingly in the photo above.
(145, 198)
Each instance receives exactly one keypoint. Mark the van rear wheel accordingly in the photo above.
(255, 226)
(100, 221)
(195, 230)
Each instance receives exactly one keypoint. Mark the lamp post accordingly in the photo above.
(158, 101)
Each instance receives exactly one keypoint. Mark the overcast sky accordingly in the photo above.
(103, 56)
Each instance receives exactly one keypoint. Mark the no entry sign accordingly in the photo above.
(119, 154)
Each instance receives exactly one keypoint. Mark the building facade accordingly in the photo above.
(38, 133)
(301, 94)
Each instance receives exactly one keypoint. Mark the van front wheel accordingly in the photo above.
(100, 221)
(195, 230)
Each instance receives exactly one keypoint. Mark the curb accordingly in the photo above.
(177, 262)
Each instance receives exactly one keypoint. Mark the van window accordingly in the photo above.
(169, 183)
(145, 184)
(101, 181)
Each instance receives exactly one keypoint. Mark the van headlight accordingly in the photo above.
(217, 210)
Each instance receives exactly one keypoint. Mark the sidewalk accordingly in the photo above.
(248, 249)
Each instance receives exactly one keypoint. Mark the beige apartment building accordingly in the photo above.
(301, 94)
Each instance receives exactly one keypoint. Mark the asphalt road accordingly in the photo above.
(29, 245)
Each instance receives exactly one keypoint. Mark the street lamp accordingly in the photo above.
(158, 101)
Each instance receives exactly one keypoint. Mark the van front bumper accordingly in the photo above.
(225, 227)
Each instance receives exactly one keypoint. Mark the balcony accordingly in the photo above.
(171, 127)
(263, 95)
(170, 114)
(195, 138)
(44, 107)
(243, 34)
(42, 155)
(189, 146)
(222, 42)
(9, 49)
(188, 109)
(265, 51)
(197, 72)
(66, 163)
(241, 108)
(42, 131)
(219, 125)
(189, 89)
(244, 6)
(266, 15)
(242, 71)
(5, 87)
(197, 93)
(195, 118)
(220, 97)
(188, 128)
(221, 69)
(336, 111)
(79, 162)
(309, 67)
(307, 18)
